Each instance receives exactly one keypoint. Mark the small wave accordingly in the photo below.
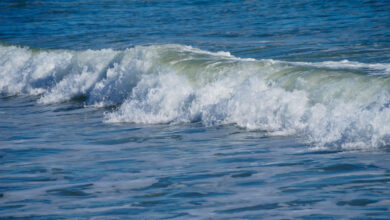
(370, 68)
(341, 104)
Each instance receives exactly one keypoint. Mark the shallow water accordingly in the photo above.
(109, 110)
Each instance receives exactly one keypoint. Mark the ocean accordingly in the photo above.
(194, 109)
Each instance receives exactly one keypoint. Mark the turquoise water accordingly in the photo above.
(194, 110)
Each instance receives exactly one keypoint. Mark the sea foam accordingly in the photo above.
(336, 104)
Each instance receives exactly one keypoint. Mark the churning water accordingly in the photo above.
(194, 109)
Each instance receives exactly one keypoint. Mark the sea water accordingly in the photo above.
(194, 109)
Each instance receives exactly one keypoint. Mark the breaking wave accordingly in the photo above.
(340, 104)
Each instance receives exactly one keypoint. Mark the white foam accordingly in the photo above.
(324, 102)
(85, 70)
(22, 71)
(375, 68)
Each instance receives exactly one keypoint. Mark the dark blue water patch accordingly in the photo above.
(151, 195)
(126, 161)
(301, 202)
(68, 108)
(243, 174)
(10, 207)
(320, 217)
(345, 167)
(266, 206)
(200, 176)
(251, 183)
(35, 169)
(120, 141)
(68, 192)
(382, 215)
(314, 152)
(107, 130)
(234, 154)
(357, 202)
(326, 182)
(15, 138)
(197, 194)
(120, 212)
(240, 160)
(178, 215)
(23, 154)
(26, 179)
(289, 164)
(373, 180)
(72, 191)
(24, 105)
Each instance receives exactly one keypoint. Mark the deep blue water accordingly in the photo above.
(194, 109)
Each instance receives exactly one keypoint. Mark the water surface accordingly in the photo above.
(194, 109)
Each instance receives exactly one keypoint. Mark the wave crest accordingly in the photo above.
(332, 104)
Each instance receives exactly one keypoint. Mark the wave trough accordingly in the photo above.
(340, 104)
